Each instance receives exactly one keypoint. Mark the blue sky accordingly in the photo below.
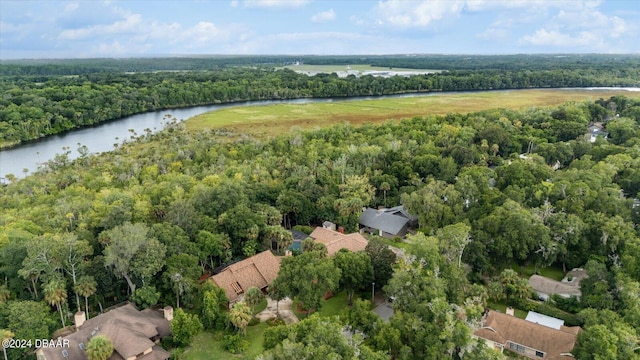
(110, 28)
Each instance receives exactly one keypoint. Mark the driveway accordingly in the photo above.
(384, 311)
(285, 307)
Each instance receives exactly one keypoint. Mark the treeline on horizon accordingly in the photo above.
(46, 67)
(201, 199)
(37, 106)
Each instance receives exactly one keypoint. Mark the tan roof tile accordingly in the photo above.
(259, 271)
(334, 241)
(131, 331)
(503, 328)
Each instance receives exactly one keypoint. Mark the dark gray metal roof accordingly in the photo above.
(298, 235)
(383, 220)
(400, 211)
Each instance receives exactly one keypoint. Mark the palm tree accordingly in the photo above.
(56, 294)
(277, 293)
(85, 287)
(99, 347)
(253, 297)
(240, 315)
(5, 335)
(385, 186)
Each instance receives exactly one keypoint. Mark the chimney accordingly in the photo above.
(168, 313)
(340, 229)
(510, 311)
(79, 318)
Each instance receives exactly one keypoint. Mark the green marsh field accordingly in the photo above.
(270, 120)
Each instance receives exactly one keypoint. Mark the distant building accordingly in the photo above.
(259, 270)
(334, 240)
(329, 225)
(135, 335)
(596, 129)
(542, 337)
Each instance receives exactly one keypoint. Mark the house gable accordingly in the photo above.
(133, 333)
(334, 241)
(259, 271)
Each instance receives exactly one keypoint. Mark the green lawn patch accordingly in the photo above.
(390, 242)
(208, 346)
(550, 272)
(330, 307)
(260, 307)
(502, 307)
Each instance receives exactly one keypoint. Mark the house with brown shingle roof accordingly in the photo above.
(334, 240)
(135, 335)
(259, 270)
(527, 338)
(569, 286)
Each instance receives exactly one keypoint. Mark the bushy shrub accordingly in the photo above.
(254, 321)
(235, 344)
(570, 305)
(275, 322)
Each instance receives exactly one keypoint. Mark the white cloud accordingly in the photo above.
(357, 20)
(233, 3)
(115, 48)
(543, 37)
(71, 7)
(529, 5)
(275, 3)
(130, 24)
(494, 34)
(324, 16)
(406, 14)
(582, 27)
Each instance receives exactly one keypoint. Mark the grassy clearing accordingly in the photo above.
(550, 272)
(330, 307)
(271, 120)
(502, 307)
(208, 346)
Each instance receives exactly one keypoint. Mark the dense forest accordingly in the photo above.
(44, 99)
(492, 190)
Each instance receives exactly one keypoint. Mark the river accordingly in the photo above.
(26, 158)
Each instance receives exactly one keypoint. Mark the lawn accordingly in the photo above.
(550, 272)
(270, 120)
(208, 346)
(261, 306)
(330, 307)
(502, 307)
(390, 242)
